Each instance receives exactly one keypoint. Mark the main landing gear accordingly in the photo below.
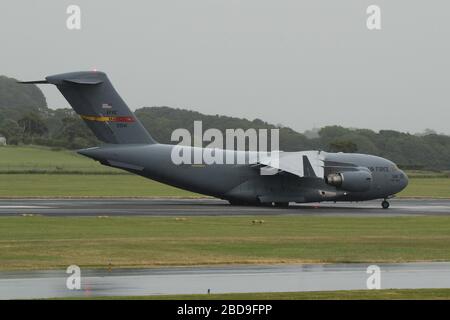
(281, 204)
(259, 204)
(385, 204)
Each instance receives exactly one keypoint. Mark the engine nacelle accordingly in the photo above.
(350, 180)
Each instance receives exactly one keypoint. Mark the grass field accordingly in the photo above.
(49, 242)
(405, 294)
(41, 172)
(106, 185)
(70, 185)
(33, 159)
(427, 188)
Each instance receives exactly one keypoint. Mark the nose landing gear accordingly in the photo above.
(385, 204)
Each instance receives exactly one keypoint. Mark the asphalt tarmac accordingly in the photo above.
(156, 281)
(212, 207)
(228, 279)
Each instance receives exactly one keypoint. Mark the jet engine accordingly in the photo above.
(350, 180)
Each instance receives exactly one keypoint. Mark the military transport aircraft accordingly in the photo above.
(305, 176)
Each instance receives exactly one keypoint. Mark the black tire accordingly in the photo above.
(237, 203)
(385, 204)
(243, 203)
(281, 204)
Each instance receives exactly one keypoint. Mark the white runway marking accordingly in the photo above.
(23, 207)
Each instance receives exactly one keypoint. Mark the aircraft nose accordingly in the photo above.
(403, 180)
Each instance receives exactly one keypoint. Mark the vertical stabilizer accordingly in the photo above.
(93, 97)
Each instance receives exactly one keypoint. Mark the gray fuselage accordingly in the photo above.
(244, 183)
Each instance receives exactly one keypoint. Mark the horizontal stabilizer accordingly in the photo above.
(84, 81)
(33, 82)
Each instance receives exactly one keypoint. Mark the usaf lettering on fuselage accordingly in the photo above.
(379, 169)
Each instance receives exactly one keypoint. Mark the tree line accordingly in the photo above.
(26, 119)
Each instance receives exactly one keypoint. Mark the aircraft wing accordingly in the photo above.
(302, 164)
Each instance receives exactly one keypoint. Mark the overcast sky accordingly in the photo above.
(303, 64)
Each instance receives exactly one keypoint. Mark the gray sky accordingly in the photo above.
(299, 63)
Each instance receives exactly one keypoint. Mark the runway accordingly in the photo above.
(212, 207)
(229, 279)
(223, 279)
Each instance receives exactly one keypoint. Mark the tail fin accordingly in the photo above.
(93, 97)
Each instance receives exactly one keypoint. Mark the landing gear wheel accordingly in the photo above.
(243, 203)
(238, 203)
(281, 204)
(385, 204)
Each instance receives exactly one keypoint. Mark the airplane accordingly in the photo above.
(298, 177)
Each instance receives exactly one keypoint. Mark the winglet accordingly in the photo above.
(308, 170)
